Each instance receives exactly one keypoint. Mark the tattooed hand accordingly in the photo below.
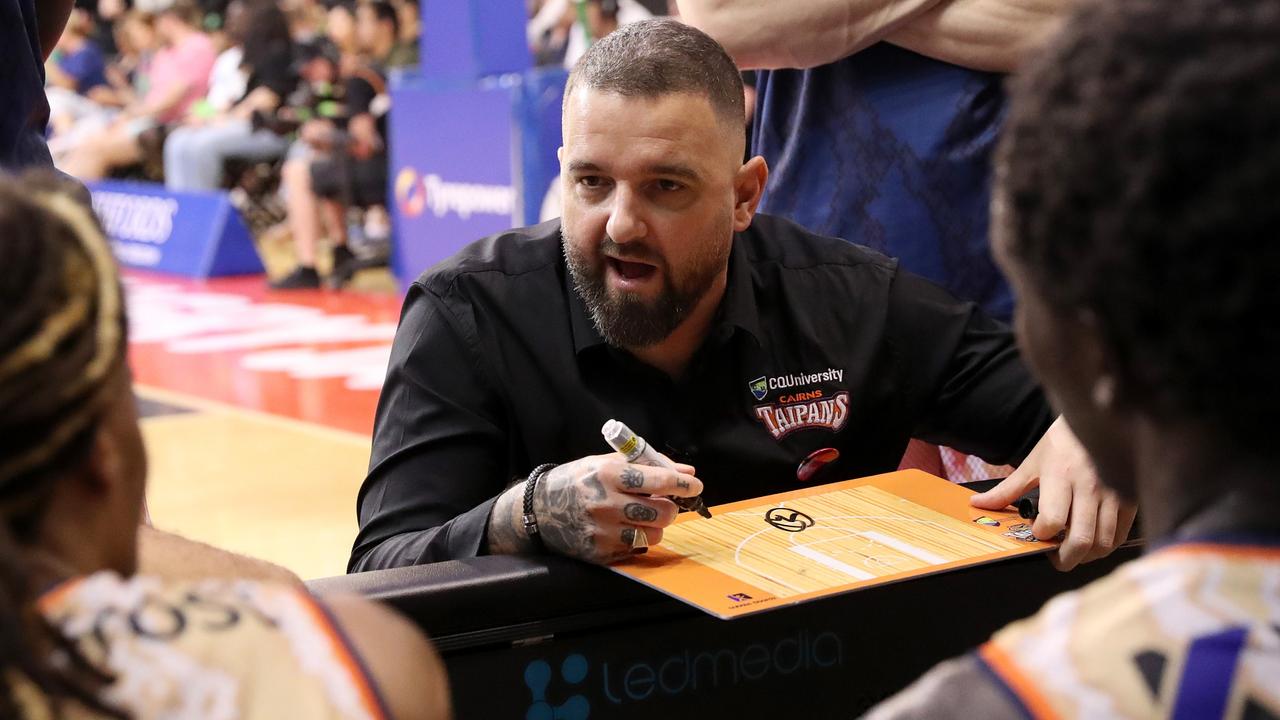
(590, 508)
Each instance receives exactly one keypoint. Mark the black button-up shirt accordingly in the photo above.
(818, 343)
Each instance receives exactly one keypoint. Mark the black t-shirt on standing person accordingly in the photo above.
(818, 343)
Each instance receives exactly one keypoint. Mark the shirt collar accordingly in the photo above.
(737, 308)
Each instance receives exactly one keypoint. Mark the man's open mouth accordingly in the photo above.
(631, 270)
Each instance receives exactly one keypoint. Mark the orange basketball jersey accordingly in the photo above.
(213, 649)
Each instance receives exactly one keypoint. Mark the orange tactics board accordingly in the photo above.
(784, 549)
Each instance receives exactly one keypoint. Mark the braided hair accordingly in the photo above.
(62, 337)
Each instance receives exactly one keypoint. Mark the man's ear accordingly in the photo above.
(748, 186)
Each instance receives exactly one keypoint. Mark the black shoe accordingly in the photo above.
(302, 278)
(345, 265)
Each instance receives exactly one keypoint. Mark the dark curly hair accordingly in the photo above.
(1138, 178)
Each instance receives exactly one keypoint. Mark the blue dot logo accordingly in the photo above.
(538, 677)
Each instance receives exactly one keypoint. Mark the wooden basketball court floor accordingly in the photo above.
(258, 410)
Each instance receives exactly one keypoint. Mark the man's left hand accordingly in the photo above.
(1072, 498)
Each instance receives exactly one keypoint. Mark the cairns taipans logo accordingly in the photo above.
(537, 677)
(800, 411)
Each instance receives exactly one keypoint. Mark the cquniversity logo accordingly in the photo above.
(760, 387)
(537, 677)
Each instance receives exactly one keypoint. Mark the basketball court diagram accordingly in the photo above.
(788, 548)
(855, 535)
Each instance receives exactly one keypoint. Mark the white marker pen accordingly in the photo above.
(638, 452)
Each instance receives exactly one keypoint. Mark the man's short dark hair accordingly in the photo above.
(651, 58)
(1138, 173)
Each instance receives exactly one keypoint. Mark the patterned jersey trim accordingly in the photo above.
(54, 595)
(370, 696)
(1034, 704)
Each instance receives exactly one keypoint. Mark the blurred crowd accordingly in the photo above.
(559, 31)
(243, 95)
(282, 102)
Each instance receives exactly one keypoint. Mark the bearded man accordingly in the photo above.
(768, 357)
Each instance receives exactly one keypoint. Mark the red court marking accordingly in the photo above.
(311, 355)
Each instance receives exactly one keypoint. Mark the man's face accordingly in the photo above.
(648, 208)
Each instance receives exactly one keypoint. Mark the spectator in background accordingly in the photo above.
(195, 153)
(179, 76)
(878, 118)
(410, 14)
(127, 81)
(229, 78)
(105, 16)
(77, 64)
(339, 160)
(76, 74)
(566, 28)
(306, 18)
(378, 32)
(129, 74)
(340, 29)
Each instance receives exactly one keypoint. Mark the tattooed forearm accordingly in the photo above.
(639, 513)
(632, 478)
(506, 526)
